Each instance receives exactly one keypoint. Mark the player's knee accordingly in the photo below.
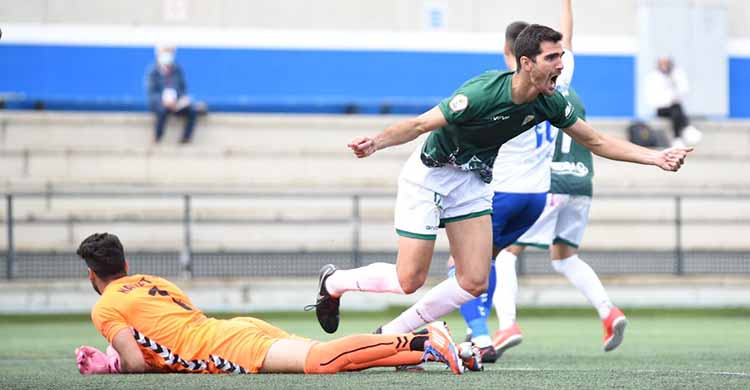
(411, 286)
(475, 285)
(515, 249)
(557, 265)
(477, 289)
(411, 281)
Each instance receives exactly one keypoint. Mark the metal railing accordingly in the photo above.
(354, 219)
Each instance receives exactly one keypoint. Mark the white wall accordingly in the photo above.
(601, 27)
(593, 17)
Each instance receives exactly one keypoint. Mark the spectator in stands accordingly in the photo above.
(167, 94)
(665, 87)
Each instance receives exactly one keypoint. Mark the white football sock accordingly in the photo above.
(584, 278)
(439, 301)
(506, 290)
(376, 277)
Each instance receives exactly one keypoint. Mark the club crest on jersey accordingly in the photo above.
(459, 103)
(568, 110)
(528, 119)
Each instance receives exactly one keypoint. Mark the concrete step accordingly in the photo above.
(266, 134)
(697, 174)
(81, 150)
(292, 153)
(330, 171)
(217, 132)
(375, 236)
(326, 209)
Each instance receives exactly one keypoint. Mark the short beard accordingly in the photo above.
(93, 284)
(533, 76)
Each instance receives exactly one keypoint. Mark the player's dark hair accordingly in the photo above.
(104, 255)
(511, 33)
(529, 42)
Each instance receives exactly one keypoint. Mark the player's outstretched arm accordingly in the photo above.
(618, 149)
(399, 133)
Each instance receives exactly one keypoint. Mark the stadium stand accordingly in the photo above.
(311, 63)
(260, 222)
(307, 151)
(297, 155)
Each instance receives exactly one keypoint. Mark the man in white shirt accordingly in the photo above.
(665, 88)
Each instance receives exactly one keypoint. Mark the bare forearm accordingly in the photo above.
(130, 356)
(618, 149)
(566, 24)
(138, 367)
(610, 147)
(399, 133)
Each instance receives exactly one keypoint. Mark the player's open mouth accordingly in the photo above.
(553, 80)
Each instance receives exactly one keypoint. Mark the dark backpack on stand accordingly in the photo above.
(642, 134)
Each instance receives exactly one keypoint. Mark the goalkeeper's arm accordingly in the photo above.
(131, 358)
(123, 356)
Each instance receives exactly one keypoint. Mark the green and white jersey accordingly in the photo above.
(572, 164)
(522, 165)
(481, 117)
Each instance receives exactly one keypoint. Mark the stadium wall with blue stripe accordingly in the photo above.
(74, 77)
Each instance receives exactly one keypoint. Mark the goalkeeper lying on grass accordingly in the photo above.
(153, 327)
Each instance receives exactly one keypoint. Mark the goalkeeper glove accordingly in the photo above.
(93, 361)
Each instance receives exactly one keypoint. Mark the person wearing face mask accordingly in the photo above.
(167, 94)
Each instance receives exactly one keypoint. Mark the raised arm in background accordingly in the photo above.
(566, 24)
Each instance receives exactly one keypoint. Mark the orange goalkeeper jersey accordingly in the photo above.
(174, 335)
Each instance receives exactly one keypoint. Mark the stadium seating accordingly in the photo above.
(306, 151)
(302, 154)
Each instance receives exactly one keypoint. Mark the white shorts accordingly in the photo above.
(563, 220)
(428, 198)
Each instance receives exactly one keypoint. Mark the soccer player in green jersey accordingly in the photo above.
(521, 181)
(445, 181)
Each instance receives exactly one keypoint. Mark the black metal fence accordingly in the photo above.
(41, 265)
(186, 262)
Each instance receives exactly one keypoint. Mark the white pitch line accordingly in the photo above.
(533, 369)
(636, 371)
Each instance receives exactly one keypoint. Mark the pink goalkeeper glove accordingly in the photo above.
(93, 361)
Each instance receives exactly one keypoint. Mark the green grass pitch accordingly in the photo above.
(663, 349)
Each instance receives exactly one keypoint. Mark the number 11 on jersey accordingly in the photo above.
(543, 133)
